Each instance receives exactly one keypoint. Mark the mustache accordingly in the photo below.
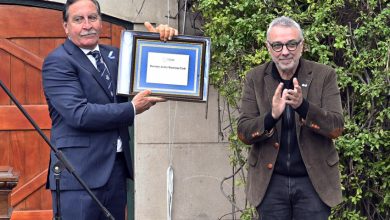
(286, 57)
(90, 32)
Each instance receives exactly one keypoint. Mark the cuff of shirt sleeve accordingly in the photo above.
(303, 109)
(135, 113)
(269, 122)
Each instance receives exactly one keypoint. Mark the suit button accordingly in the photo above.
(255, 134)
(276, 145)
(269, 166)
(315, 126)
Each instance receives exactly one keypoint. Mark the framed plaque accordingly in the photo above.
(177, 69)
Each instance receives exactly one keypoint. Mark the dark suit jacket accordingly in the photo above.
(86, 121)
(324, 121)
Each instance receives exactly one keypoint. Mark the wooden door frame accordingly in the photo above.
(59, 6)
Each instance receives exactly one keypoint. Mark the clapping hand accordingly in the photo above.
(294, 96)
(283, 97)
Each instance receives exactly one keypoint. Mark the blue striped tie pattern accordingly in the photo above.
(102, 68)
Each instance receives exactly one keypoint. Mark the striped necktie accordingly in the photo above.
(102, 68)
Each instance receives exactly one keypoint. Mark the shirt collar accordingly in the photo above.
(86, 51)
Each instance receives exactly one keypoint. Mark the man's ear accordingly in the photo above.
(65, 26)
(303, 46)
(268, 46)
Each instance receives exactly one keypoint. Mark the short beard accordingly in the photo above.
(286, 72)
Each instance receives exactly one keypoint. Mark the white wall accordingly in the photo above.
(139, 11)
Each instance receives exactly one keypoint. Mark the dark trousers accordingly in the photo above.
(78, 205)
(290, 198)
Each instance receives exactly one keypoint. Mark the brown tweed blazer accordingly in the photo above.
(324, 121)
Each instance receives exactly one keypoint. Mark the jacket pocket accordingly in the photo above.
(253, 156)
(72, 141)
(333, 158)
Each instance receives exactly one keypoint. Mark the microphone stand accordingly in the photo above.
(61, 157)
(57, 169)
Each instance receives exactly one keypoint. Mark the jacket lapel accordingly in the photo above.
(304, 80)
(111, 61)
(85, 63)
(79, 55)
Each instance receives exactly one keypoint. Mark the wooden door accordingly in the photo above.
(27, 35)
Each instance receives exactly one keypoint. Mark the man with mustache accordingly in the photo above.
(290, 112)
(89, 122)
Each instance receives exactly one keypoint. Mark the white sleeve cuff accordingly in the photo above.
(135, 112)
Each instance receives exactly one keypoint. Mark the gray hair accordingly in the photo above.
(285, 22)
(65, 11)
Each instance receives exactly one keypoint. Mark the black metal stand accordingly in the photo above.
(57, 169)
(61, 157)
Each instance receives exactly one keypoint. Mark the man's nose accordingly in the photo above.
(285, 51)
(87, 24)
